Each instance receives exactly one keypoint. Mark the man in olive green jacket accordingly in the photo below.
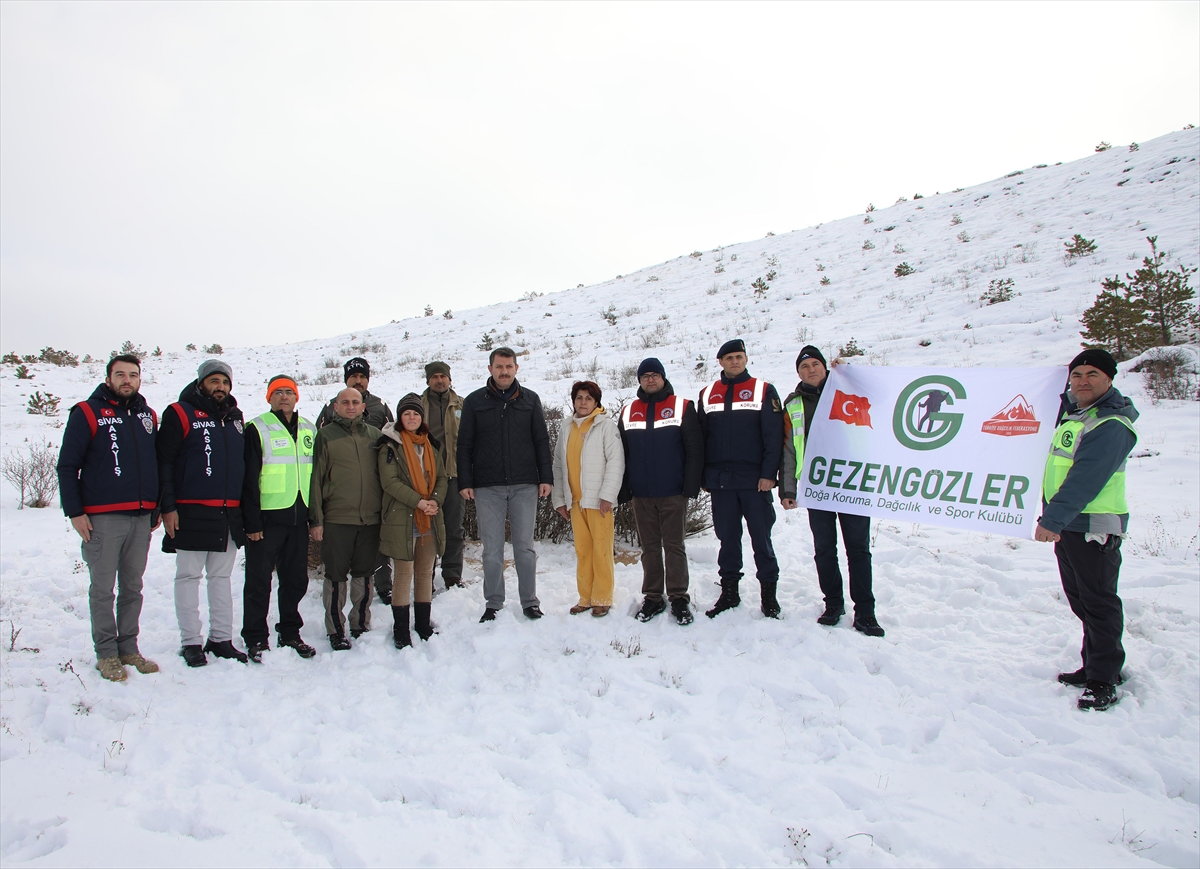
(443, 409)
(344, 513)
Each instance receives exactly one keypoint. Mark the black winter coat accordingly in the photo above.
(742, 447)
(503, 442)
(202, 527)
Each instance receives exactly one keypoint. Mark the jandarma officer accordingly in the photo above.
(1085, 515)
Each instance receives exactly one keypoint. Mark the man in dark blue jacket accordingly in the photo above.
(742, 421)
(201, 467)
(1085, 515)
(108, 483)
(664, 459)
(504, 466)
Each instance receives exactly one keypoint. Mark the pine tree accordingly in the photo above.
(1167, 297)
(1117, 321)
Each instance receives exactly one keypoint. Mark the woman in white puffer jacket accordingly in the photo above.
(589, 465)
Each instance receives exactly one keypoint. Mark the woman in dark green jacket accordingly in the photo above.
(413, 532)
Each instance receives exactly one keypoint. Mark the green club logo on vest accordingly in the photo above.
(1067, 439)
(918, 420)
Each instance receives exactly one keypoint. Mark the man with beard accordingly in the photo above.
(664, 459)
(376, 413)
(108, 484)
(344, 515)
(742, 422)
(443, 410)
(504, 466)
(279, 450)
(201, 465)
(801, 407)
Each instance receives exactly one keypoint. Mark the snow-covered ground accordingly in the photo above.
(739, 741)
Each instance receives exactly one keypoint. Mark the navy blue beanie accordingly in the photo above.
(737, 345)
(650, 365)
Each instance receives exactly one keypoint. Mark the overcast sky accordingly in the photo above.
(257, 173)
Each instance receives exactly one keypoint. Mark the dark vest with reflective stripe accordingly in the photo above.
(121, 471)
(653, 433)
(210, 466)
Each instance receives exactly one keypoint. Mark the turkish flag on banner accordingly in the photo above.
(853, 409)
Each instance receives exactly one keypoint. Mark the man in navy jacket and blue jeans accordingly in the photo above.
(742, 421)
(108, 483)
(664, 459)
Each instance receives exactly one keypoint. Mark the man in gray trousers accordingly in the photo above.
(108, 482)
(504, 466)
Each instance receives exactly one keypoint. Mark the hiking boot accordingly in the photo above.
(599, 612)
(254, 651)
(1077, 679)
(682, 610)
(360, 631)
(580, 608)
(303, 649)
(225, 649)
(142, 665)
(770, 604)
(651, 606)
(532, 612)
(111, 669)
(1098, 696)
(489, 615)
(453, 582)
(385, 594)
(339, 643)
(832, 615)
(867, 625)
(400, 635)
(193, 656)
(727, 601)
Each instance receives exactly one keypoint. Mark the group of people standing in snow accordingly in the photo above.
(375, 490)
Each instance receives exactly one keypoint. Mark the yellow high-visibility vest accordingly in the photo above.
(287, 461)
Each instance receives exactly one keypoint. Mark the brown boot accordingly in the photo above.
(111, 669)
(142, 665)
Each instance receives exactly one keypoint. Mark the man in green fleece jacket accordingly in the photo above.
(344, 514)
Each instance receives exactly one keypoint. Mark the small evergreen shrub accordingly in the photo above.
(955, 220)
(999, 290)
(850, 348)
(868, 245)
(447, 314)
(46, 405)
(1079, 247)
(1103, 146)
(903, 270)
(963, 237)
(214, 349)
(22, 372)
(61, 358)
(825, 281)
(429, 310)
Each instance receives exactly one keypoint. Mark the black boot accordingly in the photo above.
(770, 603)
(423, 626)
(728, 600)
(400, 630)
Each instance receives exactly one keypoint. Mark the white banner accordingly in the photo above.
(961, 447)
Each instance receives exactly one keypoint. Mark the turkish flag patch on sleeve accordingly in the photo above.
(852, 409)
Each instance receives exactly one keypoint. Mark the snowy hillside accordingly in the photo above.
(739, 741)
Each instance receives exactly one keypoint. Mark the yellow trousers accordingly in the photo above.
(593, 555)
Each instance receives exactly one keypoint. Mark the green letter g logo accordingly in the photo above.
(918, 419)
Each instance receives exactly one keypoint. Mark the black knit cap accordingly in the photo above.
(1096, 358)
(737, 345)
(357, 365)
(651, 365)
(810, 352)
(412, 401)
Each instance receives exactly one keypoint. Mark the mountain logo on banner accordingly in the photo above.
(1017, 418)
(852, 409)
(918, 420)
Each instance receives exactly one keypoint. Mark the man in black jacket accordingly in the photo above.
(357, 375)
(279, 457)
(504, 466)
(801, 407)
(742, 422)
(201, 462)
(664, 459)
(108, 482)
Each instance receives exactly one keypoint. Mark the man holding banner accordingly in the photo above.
(799, 411)
(1085, 515)
(742, 422)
